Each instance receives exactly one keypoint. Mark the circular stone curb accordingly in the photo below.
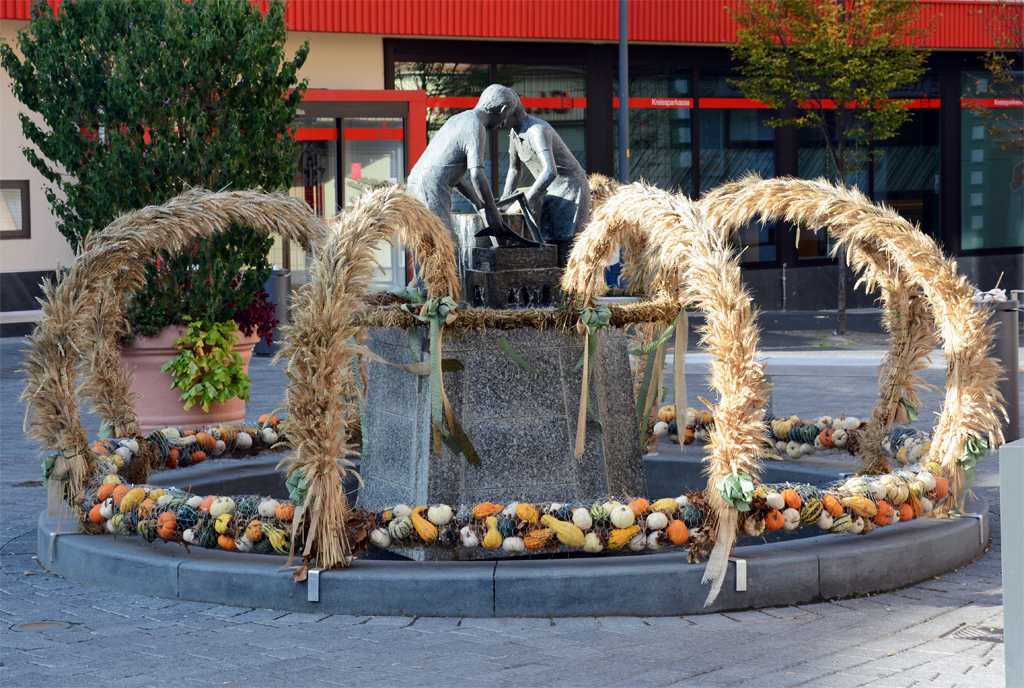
(789, 572)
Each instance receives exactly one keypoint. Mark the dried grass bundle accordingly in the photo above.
(322, 395)
(882, 245)
(92, 291)
(601, 188)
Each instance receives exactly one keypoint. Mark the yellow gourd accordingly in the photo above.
(132, 499)
(666, 506)
(620, 537)
(424, 528)
(862, 506)
(493, 538)
(568, 534)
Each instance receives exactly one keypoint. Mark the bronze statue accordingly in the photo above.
(560, 196)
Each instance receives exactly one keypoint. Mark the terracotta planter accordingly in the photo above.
(159, 406)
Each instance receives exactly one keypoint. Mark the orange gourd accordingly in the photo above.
(536, 539)
(667, 413)
(792, 499)
(285, 511)
(94, 513)
(704, 417)
(206, 441)
(205, 505)
(100, 449)
(688, 437)
(677, 532)
(198, 457)
(774, 520)
(166, 525)
(105, 491)
(620, 537)
(227, 542)
(146, 507)
(639, 507)
(119, 492)
(172, 460)
(941, 488)
(482, 511)
(884, 515)
(906, 512)
(832, 506)
(826, 437)
(527, 513)
(254, 531)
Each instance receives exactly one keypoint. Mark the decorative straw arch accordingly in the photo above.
(890, 252)
(671, 246)
(320, 348)
(89, 299)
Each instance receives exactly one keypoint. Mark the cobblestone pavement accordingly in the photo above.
(894, 639)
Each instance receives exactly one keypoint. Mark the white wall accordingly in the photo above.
(46, 247)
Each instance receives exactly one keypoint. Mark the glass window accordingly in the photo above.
(14, 210)
(814, 162)
(660, 128)
(906, 171)
(734, 138)
(992, 168)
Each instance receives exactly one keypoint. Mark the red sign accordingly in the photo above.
(374, 134)
(653, 103)
(992, 102)
(357, 170)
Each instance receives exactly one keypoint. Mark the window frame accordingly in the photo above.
(26, 214)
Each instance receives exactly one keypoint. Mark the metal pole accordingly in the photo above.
(1004, 318)
(623, 93)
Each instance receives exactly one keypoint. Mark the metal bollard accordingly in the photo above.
(1011, 520)
(278, 287)
(1005, 316)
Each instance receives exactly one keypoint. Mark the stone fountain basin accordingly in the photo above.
(789, 571)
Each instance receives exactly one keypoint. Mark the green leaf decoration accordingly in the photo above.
(737, 489)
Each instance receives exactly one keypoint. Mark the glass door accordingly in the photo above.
(373, 151)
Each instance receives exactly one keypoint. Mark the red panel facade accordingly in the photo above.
(959, 23)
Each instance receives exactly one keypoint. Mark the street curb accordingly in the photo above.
(786, 573)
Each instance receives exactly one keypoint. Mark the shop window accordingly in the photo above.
(815, 162)
(735, 138)
(992, 167)
(660, 128)
(15, 216)
(905, 171)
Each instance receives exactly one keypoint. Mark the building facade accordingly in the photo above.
(384, 74)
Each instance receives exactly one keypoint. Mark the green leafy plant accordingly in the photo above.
(138, 101)
(830, 65)
(206, 370)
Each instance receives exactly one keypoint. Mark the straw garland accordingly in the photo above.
(881, 243)
(320, 347)
(601, 187)
(671, 246)
(90, 293)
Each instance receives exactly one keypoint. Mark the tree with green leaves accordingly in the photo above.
(830, 65)
(1004, 23)
(141, 100)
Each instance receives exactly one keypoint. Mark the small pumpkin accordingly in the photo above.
(774, 520)
(620, 537)
(639, 542)
(285, 511)
(166, 525)
(469, 538)
(484, 510)
(792, 499)
(400, 528)
(424, 528)
(598, 513)
(692, 516)
(119, 492)
(622, 517)
(95, 514)
(221, 506)
(906, 512)
(206, 442)
(689, 436)
(592, 543)
(380, 538)
(824, 521)
(268, 508)
(198, 456)
(825, 438)
(667, 414)
(792, 518)
(132, 499)
(227, 542)
(254, 531)
(677, 532)
(205, 505)
(841, 524)
(704, 417)
(883, 516)
(513, 545)
(657, 521)
(222, 523)
(507, 527)
(639, 507)
(105, 491)
(527, 513)
(941, 488)
(581, 519)
(831, 504)
(146, 507)
(862, 506)
(439, 514)
(810, 511)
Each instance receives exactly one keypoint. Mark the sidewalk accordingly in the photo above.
(895, 639)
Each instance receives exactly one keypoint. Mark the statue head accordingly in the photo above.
(501, 103)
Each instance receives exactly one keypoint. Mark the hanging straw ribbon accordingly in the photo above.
(682, 326)
(437, 312)
(650, 387)
(590, 322)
